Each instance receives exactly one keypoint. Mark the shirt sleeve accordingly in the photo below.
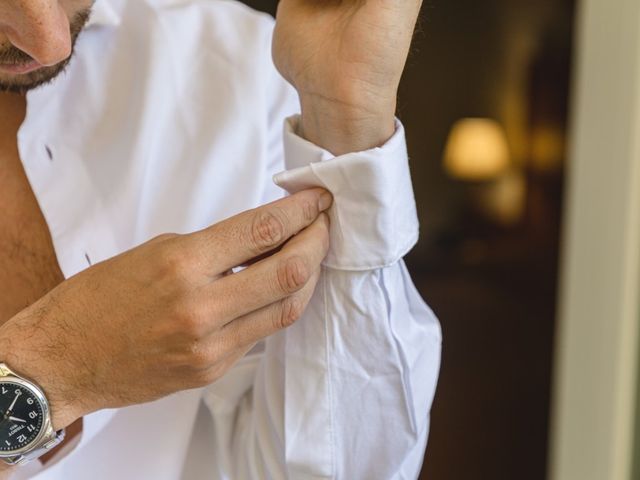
(346, 392)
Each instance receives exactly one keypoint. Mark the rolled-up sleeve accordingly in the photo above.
(346, 392)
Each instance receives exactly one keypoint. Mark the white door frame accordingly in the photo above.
(596, 362)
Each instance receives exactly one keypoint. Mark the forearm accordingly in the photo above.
(379, 364)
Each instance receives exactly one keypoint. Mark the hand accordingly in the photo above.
(165, 317)
(345, 58)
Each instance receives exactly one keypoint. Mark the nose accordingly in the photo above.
(39, 28)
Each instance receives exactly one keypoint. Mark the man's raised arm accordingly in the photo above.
(344, 393)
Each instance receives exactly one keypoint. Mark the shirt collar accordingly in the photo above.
(103, 14)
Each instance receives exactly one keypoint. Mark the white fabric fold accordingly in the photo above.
(374, 220)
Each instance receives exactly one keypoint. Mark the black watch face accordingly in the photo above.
(21, 416)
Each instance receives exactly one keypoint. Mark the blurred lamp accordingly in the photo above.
(477, 150)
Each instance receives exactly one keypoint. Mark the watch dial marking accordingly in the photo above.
(21, 416)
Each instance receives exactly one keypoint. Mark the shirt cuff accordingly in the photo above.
(373, 220)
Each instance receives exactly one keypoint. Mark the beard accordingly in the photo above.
(21, 84)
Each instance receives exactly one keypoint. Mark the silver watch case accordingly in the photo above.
(46, 439)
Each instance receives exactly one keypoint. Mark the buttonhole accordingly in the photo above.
(49, 154)
(86, 255)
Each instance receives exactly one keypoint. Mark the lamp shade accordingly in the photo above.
(477, 150)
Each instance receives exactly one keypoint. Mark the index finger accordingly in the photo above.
(250, 234)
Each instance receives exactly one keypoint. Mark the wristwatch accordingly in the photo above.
(26, 432)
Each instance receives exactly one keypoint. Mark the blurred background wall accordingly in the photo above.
(487, 261)
(596, 408)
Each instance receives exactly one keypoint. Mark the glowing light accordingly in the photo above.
(477, 150)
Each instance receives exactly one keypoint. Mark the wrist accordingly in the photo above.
(5, 471)
(28, 358)
(343, 127)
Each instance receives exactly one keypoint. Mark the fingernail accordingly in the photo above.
(325, 201)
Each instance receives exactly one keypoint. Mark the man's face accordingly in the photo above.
(37, 39)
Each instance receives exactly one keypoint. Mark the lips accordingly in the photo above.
(20, 68)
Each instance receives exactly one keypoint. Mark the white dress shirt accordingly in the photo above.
(169, 119)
